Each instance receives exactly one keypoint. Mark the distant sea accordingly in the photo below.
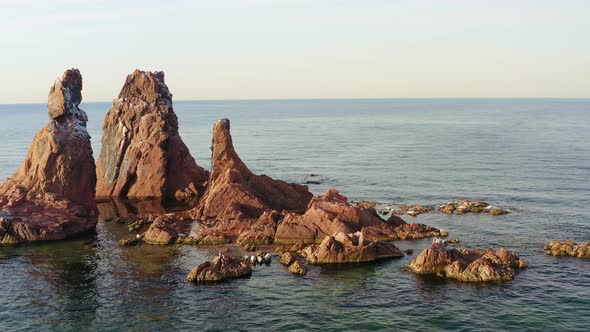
(531, 156)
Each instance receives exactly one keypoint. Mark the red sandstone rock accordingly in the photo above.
(142, 153)
(220, 268)
(331, 213)
(468, 264)
(238, 204)
(349, 248)
(51, 195)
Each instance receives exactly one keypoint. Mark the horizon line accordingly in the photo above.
(330, 98)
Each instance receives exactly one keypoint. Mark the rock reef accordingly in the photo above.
(142, 154)
(468, 264)
(349, 248)
(467, 206)
(331, 213)
(412, 210)
(52, 194)
(568, 248)
(220, 268)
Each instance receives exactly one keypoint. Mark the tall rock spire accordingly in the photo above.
(142, 153)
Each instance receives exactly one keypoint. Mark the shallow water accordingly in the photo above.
(531, 156)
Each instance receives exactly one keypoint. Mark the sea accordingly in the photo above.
(530, 156)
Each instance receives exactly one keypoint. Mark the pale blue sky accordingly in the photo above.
(222, 49)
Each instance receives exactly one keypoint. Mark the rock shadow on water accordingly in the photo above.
(110, 208)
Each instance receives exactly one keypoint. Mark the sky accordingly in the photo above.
(272, 49)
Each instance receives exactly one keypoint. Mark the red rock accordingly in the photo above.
(51, 195)
(220, 268)
(289, 258)
(349, 248)
(467, 264)
(332, 213)
(239, 204)
(298, 268)
(142, 153)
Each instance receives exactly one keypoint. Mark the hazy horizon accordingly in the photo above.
(300, 49)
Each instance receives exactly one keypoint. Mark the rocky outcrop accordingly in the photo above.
(220, 268)
(142, 154)
(332, 213)
(235, 193)
(349, 248)
(468, 264)
(51, 195)
(568, 248)
(412, 210)
(467, 206)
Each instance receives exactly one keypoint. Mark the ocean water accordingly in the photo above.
(531, 156)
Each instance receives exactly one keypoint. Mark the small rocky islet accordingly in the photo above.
(53, 196)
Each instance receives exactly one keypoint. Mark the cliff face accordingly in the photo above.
(52, 194)
(142, 154)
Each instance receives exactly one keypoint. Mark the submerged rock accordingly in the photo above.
(52, 194)
(468, 264)
(568, 248)
(349, 248)
(332, 213)
(142, 153)
(220, 268)
(467, 206)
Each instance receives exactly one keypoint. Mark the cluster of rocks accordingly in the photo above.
(53, 196)
(467, 206)
(468, 264)
(568, 248)
(412, 210)
(349, 248)
(294, 263)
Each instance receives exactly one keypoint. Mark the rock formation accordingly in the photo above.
(467, 264)
(142, 154)
(466, 206)
(349, 248)
(412, 210)
(235, 193)
(568, 248)
(298, 268)
(51, 196)
(331, 213)
(220, 268)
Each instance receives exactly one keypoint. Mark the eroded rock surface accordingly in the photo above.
(568, 248)
(332, 213)
(220, 268)
(235, 193)
(349, 248)
(142, 153)
(468, 264)
(52, 194)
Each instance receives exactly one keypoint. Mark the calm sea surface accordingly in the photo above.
(531, 156)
